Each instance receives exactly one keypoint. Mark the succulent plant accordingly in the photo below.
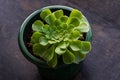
(57, 34)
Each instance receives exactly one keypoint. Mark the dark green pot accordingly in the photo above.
(61, 72)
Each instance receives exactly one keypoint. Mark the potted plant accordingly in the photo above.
(56, 39)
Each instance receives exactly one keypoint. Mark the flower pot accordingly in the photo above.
(61, 72)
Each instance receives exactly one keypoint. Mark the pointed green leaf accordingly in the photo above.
(85, 47)
(63, 45)
(73, 20)
(75, 45)
(54, 35)
(43, 51)
(47, 35)
(45, 13)
(45, 28)
(53, 27)
(83, 27)
(57, 22)
(68, 57)
(50, 19)
(37, 25)
(75, 35)
(64, 26)
(64, 19)
(38, 49)
(70, 28)
(82, 56)
(76, 13)
(61, 48)
(52, 32)
(48, 54)
(60, 51)
(53, 62)
(79, 57)
(58, 13)
(51, 42)
(43, 41)
(35, 37)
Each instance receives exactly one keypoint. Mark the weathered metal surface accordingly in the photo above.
(102, 63)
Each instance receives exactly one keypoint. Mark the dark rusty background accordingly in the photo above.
(103, 62)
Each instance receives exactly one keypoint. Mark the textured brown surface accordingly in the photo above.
(103, 62)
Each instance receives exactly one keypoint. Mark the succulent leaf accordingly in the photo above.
(85, 47)
(46, 53)
(50, 19)
(37, 25)
(49, 53)
(43, 41)
(76, 13)
(70, 28)
(68, 57)
(38, 49)
(75, 45)
(35, 37)
(79, 57)
(64, 26)
(73, 20)
(61, 48)
(45, 13)
(53, 62)
(83, 27)
(57, 22)
(58, 13)
(45, 28)
(64, 19)
(52, 42)
(75, 35)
